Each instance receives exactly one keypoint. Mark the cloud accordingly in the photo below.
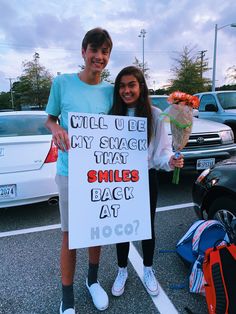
(55, 29)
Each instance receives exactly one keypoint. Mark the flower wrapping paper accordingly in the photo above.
(180, 116)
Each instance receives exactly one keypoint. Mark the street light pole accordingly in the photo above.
(214, 55)
(142, 34)
(12, 99)
(36, 57)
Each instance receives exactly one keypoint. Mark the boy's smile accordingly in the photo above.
(96, 58)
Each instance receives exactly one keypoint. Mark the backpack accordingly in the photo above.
(202, 235)
(219, 268)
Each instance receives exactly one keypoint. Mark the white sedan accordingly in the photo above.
(27, 159)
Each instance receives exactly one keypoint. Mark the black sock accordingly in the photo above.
(67, 297)
(92, 274)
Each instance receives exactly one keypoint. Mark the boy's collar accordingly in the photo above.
(89, 79)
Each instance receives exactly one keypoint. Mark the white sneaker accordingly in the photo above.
(150, 281)
(68, 311)
(99, 296)
(118, 287)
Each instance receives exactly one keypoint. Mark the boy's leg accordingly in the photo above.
(68, 257)
(68, 261)
(94, 254)
(94, 257)
(98, 294)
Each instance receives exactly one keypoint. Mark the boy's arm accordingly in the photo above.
(59, 135)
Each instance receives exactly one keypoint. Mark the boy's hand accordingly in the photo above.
(60, 138)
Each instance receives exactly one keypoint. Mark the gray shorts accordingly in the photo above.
(62, 183)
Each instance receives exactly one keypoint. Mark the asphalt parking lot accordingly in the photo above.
(30, 247)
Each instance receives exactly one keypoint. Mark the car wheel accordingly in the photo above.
(223, 209)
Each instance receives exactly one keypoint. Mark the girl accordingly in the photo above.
(131, 98)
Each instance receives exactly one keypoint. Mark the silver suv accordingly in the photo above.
(219, 106)
(209, 141)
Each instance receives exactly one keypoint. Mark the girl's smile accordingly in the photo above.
(129, 90)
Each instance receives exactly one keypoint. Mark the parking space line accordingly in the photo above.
(164, 208)
(162, 302)
(56, 226)
(28, 230)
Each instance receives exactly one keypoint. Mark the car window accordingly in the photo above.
(23, 125)
(227, 100)
(160, 102)
(206, 100)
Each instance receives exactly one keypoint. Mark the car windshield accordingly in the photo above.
(160, 102)
(227, 100)
(22, 125)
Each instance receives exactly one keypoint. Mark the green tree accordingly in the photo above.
(106, 76)
(5, 100)
(143, 67)
(33, 86)
(189, 72)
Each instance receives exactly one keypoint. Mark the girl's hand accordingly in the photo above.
(176, 162)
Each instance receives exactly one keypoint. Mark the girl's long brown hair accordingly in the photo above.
(143, 107)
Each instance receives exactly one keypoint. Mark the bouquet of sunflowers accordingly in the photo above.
(180, 116)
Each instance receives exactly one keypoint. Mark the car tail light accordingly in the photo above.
(52, 154)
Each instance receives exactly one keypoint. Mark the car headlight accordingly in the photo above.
(203, 175)
(227, 137)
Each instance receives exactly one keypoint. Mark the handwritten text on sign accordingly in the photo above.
(108, 180)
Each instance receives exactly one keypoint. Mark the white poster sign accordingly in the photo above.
(108, 180)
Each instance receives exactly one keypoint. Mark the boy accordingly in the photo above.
(80, 92)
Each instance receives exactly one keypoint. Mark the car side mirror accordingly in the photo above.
(211, 107)
(195, 113)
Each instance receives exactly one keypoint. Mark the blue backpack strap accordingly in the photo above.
(199, 231)
(190, 231)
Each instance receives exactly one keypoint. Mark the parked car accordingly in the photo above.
(27, 159)
(214, 192)
(209, 141)
(219, 106)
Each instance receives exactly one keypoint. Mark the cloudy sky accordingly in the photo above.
(55, 28)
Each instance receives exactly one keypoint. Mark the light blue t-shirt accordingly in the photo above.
(70, 94)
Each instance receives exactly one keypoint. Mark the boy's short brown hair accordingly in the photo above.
(97, 37)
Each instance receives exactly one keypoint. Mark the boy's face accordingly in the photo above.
(96, 58)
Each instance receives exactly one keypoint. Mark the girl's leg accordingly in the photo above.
(148, 246)
(122, 250)
(118, 287)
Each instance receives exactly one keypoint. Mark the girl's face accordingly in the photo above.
(129, 90)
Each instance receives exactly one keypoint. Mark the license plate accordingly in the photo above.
(205, 163)
(7, 191)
